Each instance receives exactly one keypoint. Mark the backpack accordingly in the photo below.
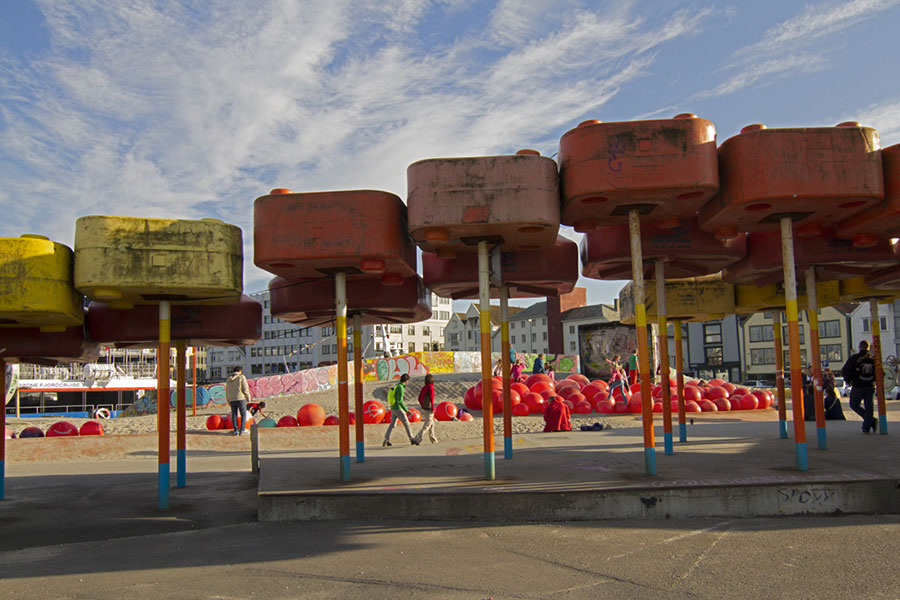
(391, 398)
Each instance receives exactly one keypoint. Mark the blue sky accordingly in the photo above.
(191, 110)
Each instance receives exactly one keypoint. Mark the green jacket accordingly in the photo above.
(398, 398)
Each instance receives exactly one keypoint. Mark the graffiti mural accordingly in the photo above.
(604, 341)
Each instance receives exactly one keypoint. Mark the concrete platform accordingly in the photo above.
(726, 469)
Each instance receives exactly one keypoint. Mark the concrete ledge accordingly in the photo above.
(866, 497)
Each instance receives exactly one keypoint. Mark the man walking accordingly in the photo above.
(237, 393)
(398, 412)
(859, 373)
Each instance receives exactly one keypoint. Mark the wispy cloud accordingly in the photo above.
(793, 46)
(192, 113)
(883, 116)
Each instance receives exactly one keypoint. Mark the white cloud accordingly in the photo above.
(766, 72)
(190, 113)
(883, 116)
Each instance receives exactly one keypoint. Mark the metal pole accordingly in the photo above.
(815, 353)
(162, 401)
(340, 295)
(679, 377)
(790, 298)
(504, 361)
(487, 409)
(664, 356)
(194, 390)
(181, 418)
(779, 374)
(640, 318)
(3, 427)
(879, 366)
(358, 388)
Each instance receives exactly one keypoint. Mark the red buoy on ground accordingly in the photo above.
(331, 420)
(466, 417)
(91, 428)
(31, 432)
(373, 412)
(414, 415)
(521, 410)
(311, 415)
(445, 411)
(288, 421)
(214, 422)
(62, 429)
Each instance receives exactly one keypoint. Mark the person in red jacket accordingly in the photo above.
(556, 416)
(426, 401)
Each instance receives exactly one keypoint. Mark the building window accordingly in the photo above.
(784, 334)
(395, 329)
(442, 332)
(545, 336)
(762, 333)
(256, 369)
(787, 358)
(829, 329)
(712, 334)
(544, 321)
(571, 329)
(572, 347)
(831, 352)
(713, 355)
(762, 356)
(523, 338)
(426, 331)
(512, 325)
(412, 347)
(867, 325)
(533, 337)
(469, 334)
(411, 330)
(454, 338)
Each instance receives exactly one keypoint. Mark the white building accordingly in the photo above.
(861, 327)
(285, 347)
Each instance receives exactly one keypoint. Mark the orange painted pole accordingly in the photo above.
(790, 297)
(679, 378)
(504, 362)
(779, 374)
(879, 366)
(340, 294)
(815, 352)
(668, 442)
(180, 415)
(487, 409)
(640, 319)
(162, 402)
(358, 388)
(3, 428)
(194, 379)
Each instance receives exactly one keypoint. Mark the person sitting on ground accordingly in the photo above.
(498, 368)
(556, 415)
(538, 366)
(833, 409)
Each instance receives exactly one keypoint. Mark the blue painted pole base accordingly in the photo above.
(163, 486)
(670, 448)
(345, 468)
(489, 473)
(782, 429)
(181, 461)
(360, 452)
(650, 460)
(822, 438)
(682, 432)
(802, 462)
(882, 424)
(507, 448)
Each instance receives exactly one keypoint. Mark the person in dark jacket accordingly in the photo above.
(859, 373)
(538, 366)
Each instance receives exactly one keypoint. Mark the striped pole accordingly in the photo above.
(812, 317)
(790, 297)
(340, 297)
(679, 378)
(180, 415)
(640, 318)
(779, 374)
(504, 358)
(194, 379)
(879, 366)
(162, 401)
(358, 388)
(487, 409)
(3, 427)
(664, 356)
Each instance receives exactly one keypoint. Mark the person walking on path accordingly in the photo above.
(859, 373)
(538, 366)
(616, 377)
(237, 393)
(426, 401)
(398, 412)
(512, 355)
(632, 367)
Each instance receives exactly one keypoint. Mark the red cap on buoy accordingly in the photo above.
(278, 191)
(753, 127)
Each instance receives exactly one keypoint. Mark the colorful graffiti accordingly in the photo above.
(415, 364)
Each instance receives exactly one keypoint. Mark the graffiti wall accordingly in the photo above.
(603, 341)
(414, 364)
